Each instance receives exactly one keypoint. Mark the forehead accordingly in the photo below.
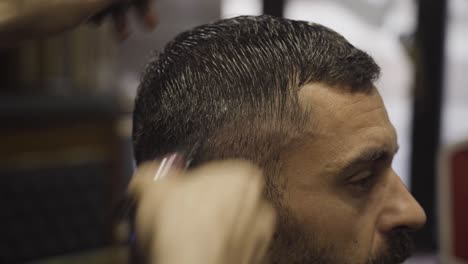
(334, 109)
(342, 121)
(338, 108)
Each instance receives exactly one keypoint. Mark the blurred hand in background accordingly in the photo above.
(25, 19)
(210, 215)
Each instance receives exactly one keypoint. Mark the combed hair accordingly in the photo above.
(229, 88)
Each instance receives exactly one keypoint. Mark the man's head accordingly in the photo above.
(297, 99)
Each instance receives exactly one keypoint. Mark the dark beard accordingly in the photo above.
(292, 244)
(399, 245)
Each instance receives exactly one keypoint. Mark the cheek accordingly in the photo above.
(334, 221)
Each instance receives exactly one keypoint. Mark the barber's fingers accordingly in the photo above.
(149, 210)
(250, 218)
(147, 13)
(142, 179)
(148, 174)
(121, 26)
(260, 232)
(230, 191)
(245, 210)
(119, 11)
(247, 219)
(148, 194)
(156, 188)
(215, 213)
(188, 226)
(207, 217)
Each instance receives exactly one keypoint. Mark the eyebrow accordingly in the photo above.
(366, 156)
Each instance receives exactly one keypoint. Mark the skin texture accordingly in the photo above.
(350, 216)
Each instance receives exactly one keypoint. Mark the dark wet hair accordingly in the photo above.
(229, 89)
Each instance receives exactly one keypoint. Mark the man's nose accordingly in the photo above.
(401, 210)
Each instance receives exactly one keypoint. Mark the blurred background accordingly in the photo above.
(66, 102)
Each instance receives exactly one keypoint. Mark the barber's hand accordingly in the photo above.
(21, 19)
(119, 10)
(211, 215)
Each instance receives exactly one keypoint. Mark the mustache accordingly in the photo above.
(399, 247)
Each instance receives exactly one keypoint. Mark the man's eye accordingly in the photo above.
(362, 181)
